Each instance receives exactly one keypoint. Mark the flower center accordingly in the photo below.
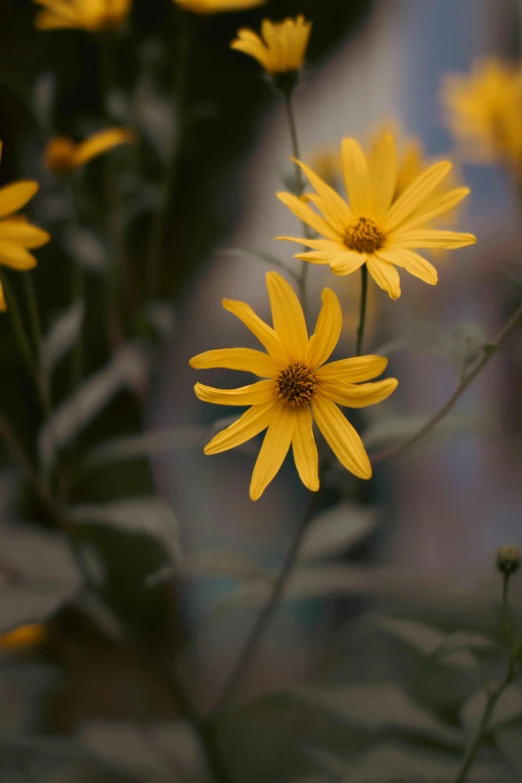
(296, 384)
(364, 236)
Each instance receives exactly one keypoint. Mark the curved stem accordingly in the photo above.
(300, 186)
(266, 614)
(362, 314)
(461, 388)
(154, 256)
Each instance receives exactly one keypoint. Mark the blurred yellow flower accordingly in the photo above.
(374, 229)
(17, 235)
(23, 637)
(62, 154)
(92, 15)
(485, 112)
(217, 6)
(281, 47)
(299, 388)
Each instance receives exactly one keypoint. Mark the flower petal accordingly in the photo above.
(251, 423)
(413, 263)
(288, 317)
(46, 20)
(305, 449)
(334, 208)
(308, 216)
(341, 437)
(415, 194)
(385, 275)
(358, 395)
(102, 142)
(348, 262)
(356, 177)
(264, 333)
(315, 244)
(359, 368)
(327, 330)
(424, 238)
(20, 230)
(14, 197)
(435, 207)
(242, 359)
(273, 451)
(3, 305)
(254, 394)
(15, 256)
(383, 176)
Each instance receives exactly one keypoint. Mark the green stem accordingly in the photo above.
(18, 327)
(300, 183)
(77, 295)
(175, 157)
(266, 614)
(362, 315)
(461, 388)
(34, 316)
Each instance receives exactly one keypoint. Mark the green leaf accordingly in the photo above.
(507, 709)
(248, 254)
(337, 529)
(467, 346)
(62, 336)
(430, 641)
(387, 431)
(224, 563)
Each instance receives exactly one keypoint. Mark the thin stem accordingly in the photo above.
(362, 315)
(36, 326)
(300, 186)
(77, 295)
(266, 614)
(154, 257)
(15, 449)
(461, 388)
(18, 327)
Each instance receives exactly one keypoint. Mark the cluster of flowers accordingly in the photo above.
(386, 218)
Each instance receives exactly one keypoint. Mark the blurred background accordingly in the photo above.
(77, 702)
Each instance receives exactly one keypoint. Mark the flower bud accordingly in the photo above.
(60, 155)
(508, 559)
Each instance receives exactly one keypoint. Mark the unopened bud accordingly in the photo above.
(508, 559)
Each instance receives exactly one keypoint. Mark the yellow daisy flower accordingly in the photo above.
(62, 154)
(299, 387)
(485, 112)
(92, 15)
(217, 6)
(281, 47)
(374, 229)
(17, 235)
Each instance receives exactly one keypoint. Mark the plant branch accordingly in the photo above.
(461, 388)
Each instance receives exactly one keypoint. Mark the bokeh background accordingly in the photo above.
(80, 705)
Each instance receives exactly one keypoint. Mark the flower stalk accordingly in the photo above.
(362, 316)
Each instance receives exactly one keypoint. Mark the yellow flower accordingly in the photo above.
(92, 15)
(298, 388)
(374, 229)
(62, 154)
(485, 112)
(216, 6)
(23, 637)
(281, 47)
(17, 235)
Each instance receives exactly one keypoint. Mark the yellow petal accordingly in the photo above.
(435, 207)
(273, 451)
(334, 208)
(425, 238)
(250, 424)
(288, 317)
(3, 304)
(383, 176)
(418, 191)
(253, 48)
(305, 450)
(23, 637)
(413, 263)
(102, 142)
(319, 256)
(311, 218)
(356, 177)
(264, 333)
(385, 275)
(327, 330)
(341, 437)
(315, 244)
(358, 395)
(255, 394)
(360, 368)
(242, 359)
(15, 256)
(19, 230)
(348, 262)
(14, 197)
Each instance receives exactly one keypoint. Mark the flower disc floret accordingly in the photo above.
(296, 384)
(364, 236)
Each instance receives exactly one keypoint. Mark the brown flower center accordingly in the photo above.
(296, 384)
(364, 236)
